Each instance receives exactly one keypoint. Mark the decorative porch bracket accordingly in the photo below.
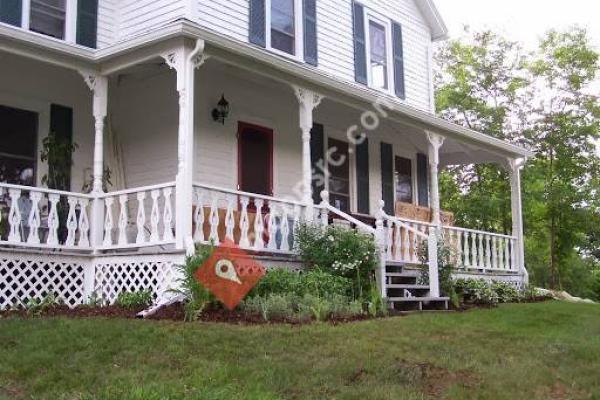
(185, 60)
(307, 102)
(514, 166)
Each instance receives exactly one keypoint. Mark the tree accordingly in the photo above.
(482, 84)
(541, 100)
(564, 134)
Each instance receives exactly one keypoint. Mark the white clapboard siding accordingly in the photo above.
(138, 16)
(107, 22)
(336, 48)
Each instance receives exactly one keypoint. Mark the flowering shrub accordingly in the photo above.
(339, 251)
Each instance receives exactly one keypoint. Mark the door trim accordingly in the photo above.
(267, 131)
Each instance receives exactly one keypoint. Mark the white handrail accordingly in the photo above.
(359, 224)
(405, 225)
(254, 195)
(136, 190)
(46, 191)
(500, 235)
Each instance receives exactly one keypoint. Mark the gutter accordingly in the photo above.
(304, 74)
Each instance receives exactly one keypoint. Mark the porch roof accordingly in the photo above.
(228, 50)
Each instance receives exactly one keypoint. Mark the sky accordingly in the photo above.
(521, 20)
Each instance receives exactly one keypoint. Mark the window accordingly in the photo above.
(283, 26)
(378, 56)
(403, 180)
(339, 175)
(48, 17)
(18, 137)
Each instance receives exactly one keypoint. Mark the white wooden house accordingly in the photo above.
(137, 85)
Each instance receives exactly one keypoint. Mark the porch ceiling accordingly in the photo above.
(475, 145)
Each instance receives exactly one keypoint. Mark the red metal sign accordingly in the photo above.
(230, 273)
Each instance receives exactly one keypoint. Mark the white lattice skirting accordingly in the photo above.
(73, 279)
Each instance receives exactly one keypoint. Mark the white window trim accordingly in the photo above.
(386, 23)
(70, 34)
(298, 32)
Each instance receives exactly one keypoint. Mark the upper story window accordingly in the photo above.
(286, 27)
(48, 17)
(74, 21)
(283, 26)
(378, 51)
(378, 56)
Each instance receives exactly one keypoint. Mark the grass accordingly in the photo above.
(518, 351)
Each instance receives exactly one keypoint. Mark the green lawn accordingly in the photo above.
(530, 351)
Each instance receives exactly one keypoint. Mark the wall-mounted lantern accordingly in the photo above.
(221, 111)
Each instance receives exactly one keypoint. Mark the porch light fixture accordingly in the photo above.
(221, 111)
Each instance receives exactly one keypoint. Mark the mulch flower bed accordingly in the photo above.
(173, 312)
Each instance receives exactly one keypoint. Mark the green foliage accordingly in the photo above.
(476, 291)
(197, 297)
(291, 307)
(479, 291)
(445, 267)
(37, 307)
(315, 282)
(58, 153)
(340, 252)
(541, 100)
(376, 305)
(142, 298)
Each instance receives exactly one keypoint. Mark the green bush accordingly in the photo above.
(315, 282)
(506, 292)
(37, 307)
(197, 297)
(291, 307)
(339, 251)
(445, 268)
(479, 291)
(141, 298)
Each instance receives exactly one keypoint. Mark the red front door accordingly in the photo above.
(255, 159)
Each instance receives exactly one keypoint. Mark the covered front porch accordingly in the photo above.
(288, 150)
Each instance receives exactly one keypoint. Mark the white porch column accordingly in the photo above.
(98, 84)
(184, 60)
(307, 101)
(514, 170)
(435, 142)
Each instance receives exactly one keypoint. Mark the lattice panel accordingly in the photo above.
(24, 278)
(115, 277)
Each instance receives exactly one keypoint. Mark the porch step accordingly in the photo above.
(407, 286)
(418, 303)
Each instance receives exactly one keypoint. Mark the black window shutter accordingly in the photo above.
(258, 23)
(317, 157)
(398, 52)
(422, 180)
(310, 32)
(61, 125)
(387, 177)
(360, 48)
(10, 12)
(87, 22)
(362, 177)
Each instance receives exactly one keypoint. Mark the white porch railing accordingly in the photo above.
(252, 221)
(139, 217)
(482, 250)
(44, 218)
(471, 249)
